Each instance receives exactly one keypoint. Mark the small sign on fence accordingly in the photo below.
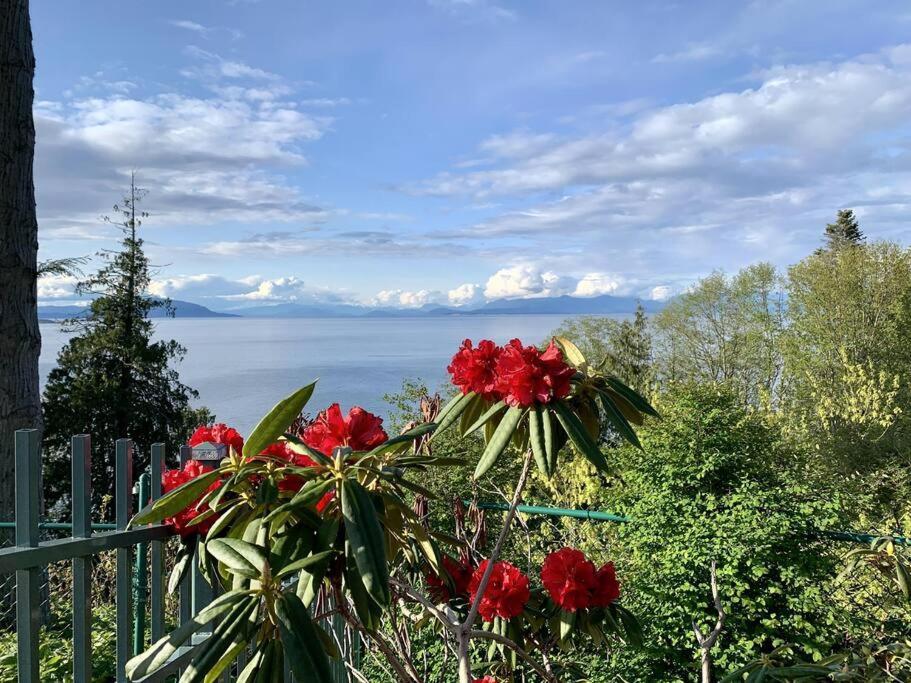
(209, 452)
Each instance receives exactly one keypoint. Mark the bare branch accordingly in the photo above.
(707, 642)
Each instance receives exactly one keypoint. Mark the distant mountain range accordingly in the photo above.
(182, 309)
(559, 305)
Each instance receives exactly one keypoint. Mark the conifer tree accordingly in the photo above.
(112, 379)
(845, 231)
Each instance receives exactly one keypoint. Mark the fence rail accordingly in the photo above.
(29, 556)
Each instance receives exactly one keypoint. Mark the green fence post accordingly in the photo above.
(156, 598)
(123, 505)
(81, 501)
(139, 576)
(28, 604)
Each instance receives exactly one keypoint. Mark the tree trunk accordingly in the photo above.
(20, 339)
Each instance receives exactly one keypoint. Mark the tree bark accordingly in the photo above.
(20, 339)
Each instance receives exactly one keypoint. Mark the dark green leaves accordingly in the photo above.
(302, 642)
(175, 501)
(536, 440)
(239, 557)
(579, 436)
(499, 440)
(367, 542)
(274, 424)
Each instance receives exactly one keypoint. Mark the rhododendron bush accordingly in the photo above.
(307, 520)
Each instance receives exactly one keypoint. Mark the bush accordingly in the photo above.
(712, 483)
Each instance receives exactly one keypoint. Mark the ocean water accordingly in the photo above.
(242, 366)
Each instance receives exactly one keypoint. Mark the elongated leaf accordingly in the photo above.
(300, 446)
(452, 412)
(222, 638)
(174, 501)
(536, 439)
(638, 402)
(310, 578)
(366, 538)
(367, 610)
(625, 407)
(547, 434)
(474, 410)
(149, 661)
(277, 420)
(567, 621)
(619, 422)
(213, 675)
(499, 440)
(428, 547)
(405, 438)
(486, 416)
(310, 494)
(572, 353)
(303, 646)
(181, 565)
(448, 406)
(904, 581)
(579, 436)
(242, 557)
(304, 563)
(255, 663)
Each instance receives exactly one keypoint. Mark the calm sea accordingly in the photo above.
(242, 366)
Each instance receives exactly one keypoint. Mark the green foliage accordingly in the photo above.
(620, 347)
(711, 483)
(845, 231)
(55, 649)
(111, 379)
(726, 331)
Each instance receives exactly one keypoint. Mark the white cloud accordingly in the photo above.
(691, 53)
(406, 299)
(465, 295)
(596, 284)
(56, 287)
(660, 293)
(279, 289)
(524, 281)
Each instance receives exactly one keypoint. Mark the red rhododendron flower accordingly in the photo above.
(294, 482)
(218, 433)
(607, 588)
(506, 593)
(459, 572)
(526, 376)
(474, 369)
(359, 430)
(170, 480)
(485, 679)
(569, 578)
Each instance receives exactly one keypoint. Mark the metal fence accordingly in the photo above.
(40, 556)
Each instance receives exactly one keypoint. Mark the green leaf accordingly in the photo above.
(572, 353)
(366, 608)
(499, 440)
(406, 437)
(579, 436)
(567, 621)
(536, 439)
(366, 538)
(304, 563)
(639, 403)
(226, 631)
(547, 433)
(274, 424)
(488, 415)
(181, 565)
(300, 446)
(158, 654)
(303, 646)
(618, 421)
(474, 410)
(175, 501)
(452, 411)
(239, 556)
(310, 578)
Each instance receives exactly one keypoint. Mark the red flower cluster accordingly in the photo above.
(474, 369)
(485, 679)
(520, 375)
(506, 593)
(218, 433)
(170, 480)
(573, 582)
(359, 430)
(459, 572)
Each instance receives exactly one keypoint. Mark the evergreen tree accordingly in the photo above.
(845, 231)
(112, 380)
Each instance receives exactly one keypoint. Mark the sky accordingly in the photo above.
(408, 152)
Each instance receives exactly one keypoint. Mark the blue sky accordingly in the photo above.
(452, 151)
